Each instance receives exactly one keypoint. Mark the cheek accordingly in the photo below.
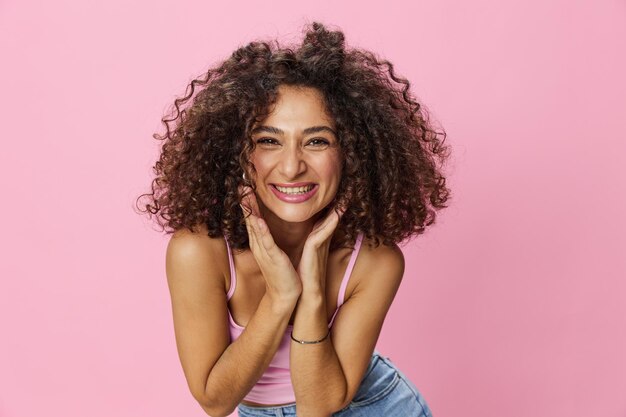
(260, 164)
(331, 169)
(335, 165)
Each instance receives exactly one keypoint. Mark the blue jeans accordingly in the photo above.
(384, 391)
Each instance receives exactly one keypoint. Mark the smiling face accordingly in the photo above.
(297, 157)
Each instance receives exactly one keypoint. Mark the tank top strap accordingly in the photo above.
(233, 277)
(346, 276)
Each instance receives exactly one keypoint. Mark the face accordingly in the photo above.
(297, 157)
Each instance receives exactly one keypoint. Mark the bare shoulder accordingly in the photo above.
(197, 251)
(381, 262)
(388, 255)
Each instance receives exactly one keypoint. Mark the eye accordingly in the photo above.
(319, 142)
(267, 141)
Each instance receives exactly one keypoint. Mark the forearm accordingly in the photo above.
(318, 380)
(246, 359)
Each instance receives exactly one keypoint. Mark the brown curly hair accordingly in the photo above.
(391, 183)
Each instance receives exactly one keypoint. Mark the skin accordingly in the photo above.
(287, 276)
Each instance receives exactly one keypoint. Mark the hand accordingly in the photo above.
(281, 278)
(312, 266)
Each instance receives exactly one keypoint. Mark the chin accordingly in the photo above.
(296, 213)
(294, 216)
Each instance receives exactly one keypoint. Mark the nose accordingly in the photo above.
(292, 163)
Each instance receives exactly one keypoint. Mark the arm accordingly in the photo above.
(326, 375)
(219, 374)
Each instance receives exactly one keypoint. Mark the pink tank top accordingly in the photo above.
(274, 386)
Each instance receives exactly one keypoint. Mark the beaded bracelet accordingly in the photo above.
(302, 342)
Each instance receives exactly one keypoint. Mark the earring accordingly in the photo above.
(244, 176)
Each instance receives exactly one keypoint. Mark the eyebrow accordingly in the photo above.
(307, 131)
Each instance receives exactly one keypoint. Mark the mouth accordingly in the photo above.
(301, 188)
(297, 193)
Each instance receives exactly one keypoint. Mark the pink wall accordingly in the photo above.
(513, 305)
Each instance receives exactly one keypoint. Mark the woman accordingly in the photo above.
(287, 182)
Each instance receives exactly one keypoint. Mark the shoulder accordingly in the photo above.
(380, 267)
(388, 256)
(187, 245)
(195, 253)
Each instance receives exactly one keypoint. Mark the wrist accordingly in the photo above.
(314, 289)
(313, 298)
(281, 302)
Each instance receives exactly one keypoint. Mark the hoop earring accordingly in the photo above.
(244, 176)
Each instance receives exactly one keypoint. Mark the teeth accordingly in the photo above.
(294, 190)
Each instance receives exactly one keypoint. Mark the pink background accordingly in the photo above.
(512, 305)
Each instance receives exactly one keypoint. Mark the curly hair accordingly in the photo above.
(391, 182)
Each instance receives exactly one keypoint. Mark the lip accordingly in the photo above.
(295, 184)
(299, 198)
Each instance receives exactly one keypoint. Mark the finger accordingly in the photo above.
(253, 203)
(258, 231)
(271, 251)
(259, 252)
(261, 226)
(265, 238)
(265, 247)
(330, 220)
(250, 227)
(257, 226)
(324, 229)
